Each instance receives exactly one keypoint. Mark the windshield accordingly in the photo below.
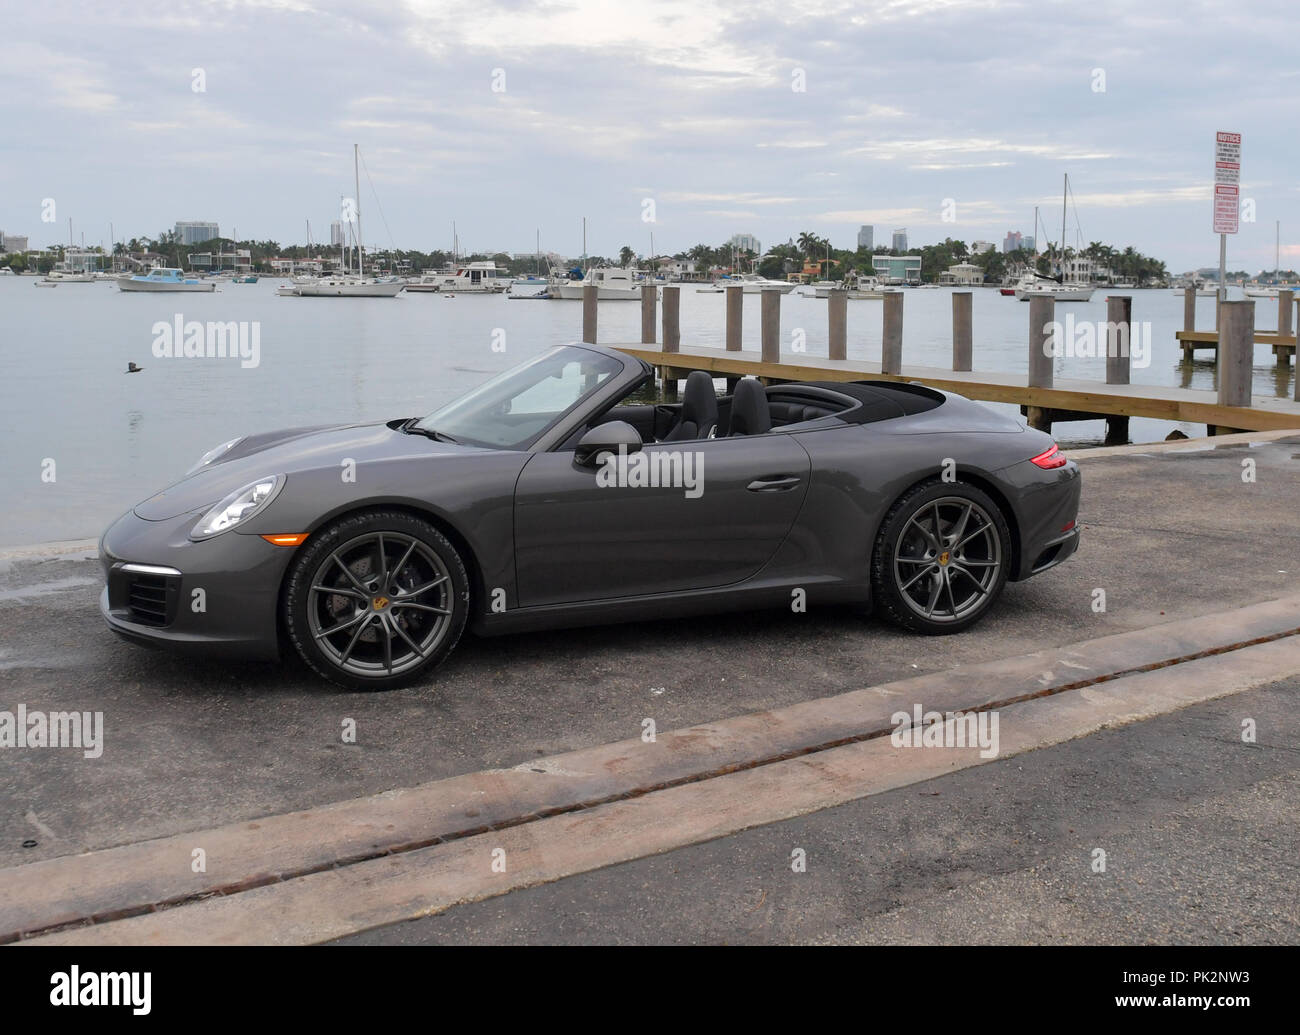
(517, 405)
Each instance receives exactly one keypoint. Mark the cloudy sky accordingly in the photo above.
(764, 116)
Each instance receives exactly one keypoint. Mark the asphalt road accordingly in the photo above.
(1201, 833)
(191, 745)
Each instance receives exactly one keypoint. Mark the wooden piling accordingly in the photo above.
(962, 347)
(672, 319)
(1189, 320)
(1119, 338)
(1119, 345)
(589, 313)
(649, 303)
(770, 314)
(837, 317)
(891, 340)
(1042, 361)
(735, 296)
(1284, 306)
(1236, 353)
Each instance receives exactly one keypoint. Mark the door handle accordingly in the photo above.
(774, 483)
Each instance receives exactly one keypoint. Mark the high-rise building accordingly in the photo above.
(745, 243)
(1027, 243)
(196, 233)
(1012, 241)
(979, 247)
(866, 235)
(13, 243)
(899, 243)
(336, 234)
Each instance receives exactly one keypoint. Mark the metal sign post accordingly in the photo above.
(1227, 198)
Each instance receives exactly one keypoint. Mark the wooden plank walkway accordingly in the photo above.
(1066, 400)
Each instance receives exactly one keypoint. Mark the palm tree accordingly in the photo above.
(625, 256)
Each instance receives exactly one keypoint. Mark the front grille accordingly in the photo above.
(151, 599)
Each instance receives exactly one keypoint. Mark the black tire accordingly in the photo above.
(376, 599)
(917, 555)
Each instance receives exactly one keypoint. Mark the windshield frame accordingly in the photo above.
(545, 436)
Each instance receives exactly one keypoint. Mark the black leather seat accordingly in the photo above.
(749, 410)
(699, 417)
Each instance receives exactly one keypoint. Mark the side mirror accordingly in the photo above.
(606, 438)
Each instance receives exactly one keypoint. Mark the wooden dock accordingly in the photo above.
(1065, 400)
(1042, 397)
(1283, 339)
(1193, 341)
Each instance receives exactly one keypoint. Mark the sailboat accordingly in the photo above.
(1271, 290)
(69, 274)
(348, 285)
(1035, 285)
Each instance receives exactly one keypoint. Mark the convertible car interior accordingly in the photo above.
(753, 409)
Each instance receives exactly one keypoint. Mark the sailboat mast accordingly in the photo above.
(1065, 191)
(538, 253)
(584, 244)
(356, 178)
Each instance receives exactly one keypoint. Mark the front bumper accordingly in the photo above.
(218, 596)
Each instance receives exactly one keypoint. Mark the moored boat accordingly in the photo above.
(164, 278)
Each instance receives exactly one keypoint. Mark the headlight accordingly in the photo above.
(240, 504)
(215, 452)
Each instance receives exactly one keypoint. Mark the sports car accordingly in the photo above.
(556, 495)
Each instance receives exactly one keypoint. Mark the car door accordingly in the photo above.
(578, 537)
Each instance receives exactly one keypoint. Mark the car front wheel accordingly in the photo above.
(376, 599)
(941, 558)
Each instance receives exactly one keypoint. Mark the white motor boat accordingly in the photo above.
(344, 287)
(870, 288)
(752, 284)
(613, 283)
(61, 277)
(529, 287)
(165, 279)
(471, 278)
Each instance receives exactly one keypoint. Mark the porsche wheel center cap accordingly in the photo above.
(379, 603)
(943, 559)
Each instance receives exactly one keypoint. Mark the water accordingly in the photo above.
(115, 438)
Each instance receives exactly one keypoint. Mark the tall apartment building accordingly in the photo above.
(196, 233)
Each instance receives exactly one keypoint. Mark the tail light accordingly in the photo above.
(1050, 460)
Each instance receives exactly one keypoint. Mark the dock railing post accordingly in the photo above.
(891, 340)
(962, 348)
(837, 317)
(1189, 321)
(649, 301)
(589, 313)
(1236, 352)
(735, 296)
(771, 325)
(1119, 345)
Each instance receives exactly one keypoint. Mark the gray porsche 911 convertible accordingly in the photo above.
(550, 497)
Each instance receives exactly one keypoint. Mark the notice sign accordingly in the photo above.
(1227, 182)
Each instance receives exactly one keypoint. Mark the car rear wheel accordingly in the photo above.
(941, 558)
(376, 599)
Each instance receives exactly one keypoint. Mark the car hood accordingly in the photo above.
(293, 450)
